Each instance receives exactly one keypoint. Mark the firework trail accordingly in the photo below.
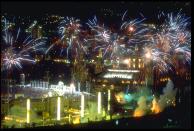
(107, 41)
(14, 52)
(170, 43)
(135, 30)
(122, 42)
(69, 31)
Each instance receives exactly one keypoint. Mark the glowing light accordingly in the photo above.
(128, 97)
(82, 106)
(126, 61)
(118, 98)
(133, 65)
(155, 107)
(131, 29)
(28, 111)
(148, 55)
(58, 108)
(72, 87)
(8, 118)
(118, 75)
(114, 70)
(134, 82)
(99, 102)
(138, 113)
(62, 89)
(129, 64)
(108, 100)
(50, 94)
(76, 120)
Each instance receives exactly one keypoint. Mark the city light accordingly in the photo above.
(115, 70)
(148, 55)
(50, 94)
(99, 102)
(58, 108)
(28, 110)
(118, 75)
(108, 100)
(126, 61)
(82, 105)
(131, 29)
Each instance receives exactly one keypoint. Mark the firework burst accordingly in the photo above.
(109, 42)
(171, 42)
(69, 31)
(15, 52)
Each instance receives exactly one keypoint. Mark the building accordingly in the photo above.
(125, 71)
(129, 72)
(39, 84)
(22, 79)
(37, 31)
(60, 88)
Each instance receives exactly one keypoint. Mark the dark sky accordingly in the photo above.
(87, 9)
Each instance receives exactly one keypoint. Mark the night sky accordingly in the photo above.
(85, 9)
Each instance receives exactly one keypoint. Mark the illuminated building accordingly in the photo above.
(39, 84)
(80, 73)
(126, 71)
(7, 82)
(99, 64)
(37, 31)
(47, 76)
(132, 76)
(63, 89)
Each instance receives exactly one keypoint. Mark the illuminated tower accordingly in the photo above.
(47, 76)
(22, 79)
(36, 31)
(39, 32)
(100, 54)
(149, 70)
(80, 72)
(98, 65)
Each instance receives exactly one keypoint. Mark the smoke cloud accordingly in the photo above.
(166, 99)
(142, 108)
